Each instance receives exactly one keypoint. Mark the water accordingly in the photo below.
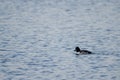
(37, 39)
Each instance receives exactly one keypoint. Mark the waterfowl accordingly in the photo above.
(77, 49)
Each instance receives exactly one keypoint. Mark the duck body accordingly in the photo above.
(77, 49)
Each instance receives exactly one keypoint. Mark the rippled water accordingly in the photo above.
(37, 39)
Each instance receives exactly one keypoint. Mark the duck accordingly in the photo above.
(77, 49)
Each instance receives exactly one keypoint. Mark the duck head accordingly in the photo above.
(77, 49)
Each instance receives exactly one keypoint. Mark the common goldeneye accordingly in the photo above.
(77, 49)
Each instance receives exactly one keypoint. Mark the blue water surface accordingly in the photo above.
(37, 39)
